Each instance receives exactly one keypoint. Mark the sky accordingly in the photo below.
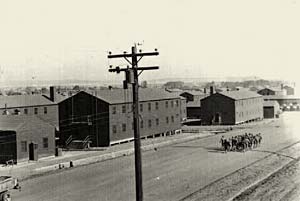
(70, 39)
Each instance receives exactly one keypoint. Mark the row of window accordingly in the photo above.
(149, 105)
(24, 145)
(150, 123)
(25, 111)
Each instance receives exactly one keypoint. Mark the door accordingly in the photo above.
(33, 154)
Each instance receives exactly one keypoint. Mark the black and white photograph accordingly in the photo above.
(139, 100)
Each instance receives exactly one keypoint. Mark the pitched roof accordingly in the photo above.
(15, 122)
(24, 101)
(239, 95)
(115, 96)
(272, 89)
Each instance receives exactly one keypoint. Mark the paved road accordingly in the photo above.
(169, 173)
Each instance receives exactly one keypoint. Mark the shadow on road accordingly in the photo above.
(209, 149)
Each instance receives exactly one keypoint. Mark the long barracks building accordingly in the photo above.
(105, 117)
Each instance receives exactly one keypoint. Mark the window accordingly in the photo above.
(36, 111)
(123, 127)
(149, 106)
(167, 104)
(172, 103)
(167, 120)
(177, 115)
(141, 107)
(172, 119)
(23, 146)
(157, 122)
(25, 111)
(149, 123)
(142, 124)
(156, 105)
(177, 103)
(114, 129)
(114, 110)
(124, 109)
(45, 110)
(45, 142)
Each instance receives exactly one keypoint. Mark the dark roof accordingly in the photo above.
(24, 101)
(115, 96)
(239, 95)
(271, 88)
(193, 92)
(270, 103)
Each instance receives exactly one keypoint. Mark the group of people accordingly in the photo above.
(241, 142)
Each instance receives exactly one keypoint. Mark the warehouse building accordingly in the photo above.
(231, 107)
(24, 137)
(271, 109)
(105, 117)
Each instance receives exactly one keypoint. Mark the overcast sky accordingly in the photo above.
(69, 39)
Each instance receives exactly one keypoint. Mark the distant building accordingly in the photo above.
(25, 137)
(289, 90)
(272, 91)
(193, 104)
(106, 116)
(271, 109)
(231, 107)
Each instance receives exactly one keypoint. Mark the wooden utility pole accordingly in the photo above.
(132, 75)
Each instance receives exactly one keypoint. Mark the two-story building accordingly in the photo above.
(231, 107)
(106, 117)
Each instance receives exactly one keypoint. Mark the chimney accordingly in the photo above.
(211, 90)
(53, 94)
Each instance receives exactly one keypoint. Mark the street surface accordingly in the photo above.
(170, 173)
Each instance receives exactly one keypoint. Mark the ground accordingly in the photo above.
(195, 170)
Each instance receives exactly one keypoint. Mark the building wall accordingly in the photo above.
(193, 112)
(183, 110)
(84, 115)
(51, 115)
(35, 130)
(122, 120)
(217, 105)
(248, 109)
(289, 90)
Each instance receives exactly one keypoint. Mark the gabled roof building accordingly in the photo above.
(105, 117)
(231, 107)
